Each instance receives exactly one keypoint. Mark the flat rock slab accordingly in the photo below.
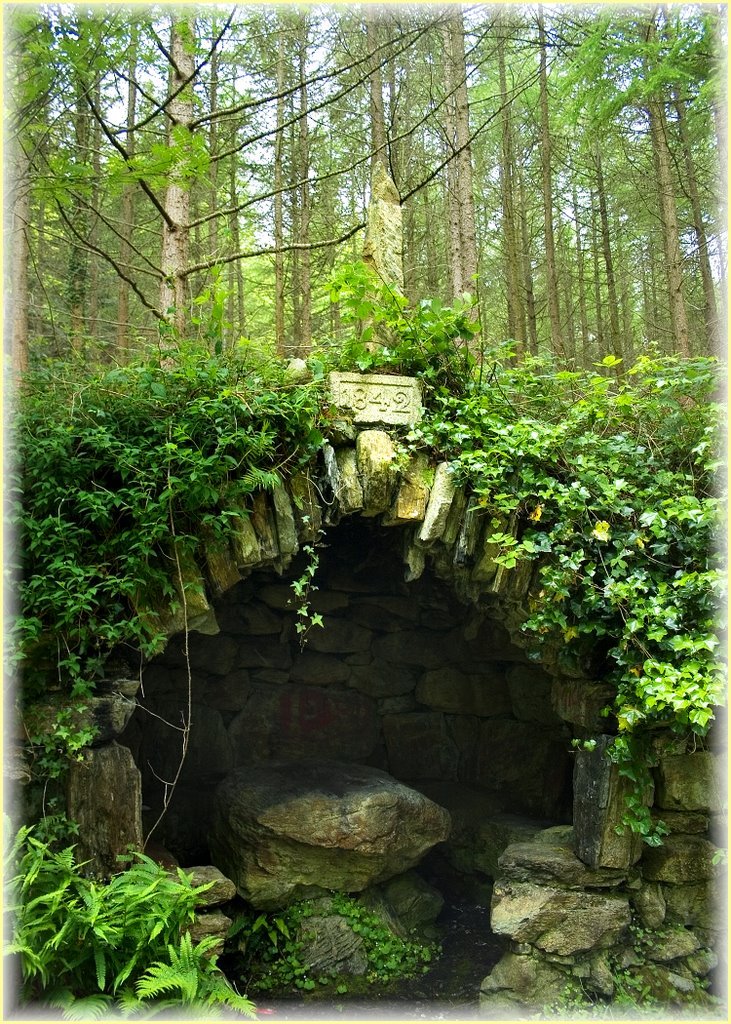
(373, 399)
(290, 830)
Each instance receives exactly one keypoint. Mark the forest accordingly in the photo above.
(210, 171)
(189, 195)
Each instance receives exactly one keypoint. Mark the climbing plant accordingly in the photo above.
(611, 486)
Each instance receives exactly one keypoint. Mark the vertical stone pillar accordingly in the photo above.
(383, 245)
(599, 805)
(104, 796)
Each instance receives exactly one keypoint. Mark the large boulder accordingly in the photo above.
(289, 830)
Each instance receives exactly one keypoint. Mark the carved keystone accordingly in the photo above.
(377, 398)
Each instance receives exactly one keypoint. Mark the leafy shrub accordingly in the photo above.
(82, 944)
(111, 468)
(611, 488)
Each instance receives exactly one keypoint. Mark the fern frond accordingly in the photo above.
(88, 1008)
(100, 964)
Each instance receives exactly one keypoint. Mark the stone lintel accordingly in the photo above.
(377, 398)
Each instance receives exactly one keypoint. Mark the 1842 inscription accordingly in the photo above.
(372, 398)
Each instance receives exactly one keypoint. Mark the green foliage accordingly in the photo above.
(303, 587)
(81, 943)
(112, 468)
(272, 947)
(428, 340)
(610, 487)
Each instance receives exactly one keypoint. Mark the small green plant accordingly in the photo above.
(303, 587)
(82, 944)
(273, 955)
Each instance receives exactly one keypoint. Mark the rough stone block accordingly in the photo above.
(377, 399)
(376, 459)
(221, 568)
(599, 805)
(307, 511)
(262, 519)
(339, 636)
(285, 522)
(318, 669)
(440, 501)
(580, 701)
(419, 747)
(526, 980)
(244, 542)
(221, 889)
(688, 782)
(412, 495)
(104, 797)
(559, 921)
(530, 694)
(679, 860)
(448, 689)
(382, 679)
(554, 864)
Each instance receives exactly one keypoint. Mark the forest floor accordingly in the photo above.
(448, 991)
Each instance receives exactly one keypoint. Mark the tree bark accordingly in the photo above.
(303, 322)
(530, 301)
(554, 312)
(279, 337)
(379, 151)
(20, 251)
(127, 214)
(668, 216)
(175, 230)
(516, 316)
(614, 330)
(581, 284)
(691, 180)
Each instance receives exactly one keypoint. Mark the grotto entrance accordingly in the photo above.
(401, 676)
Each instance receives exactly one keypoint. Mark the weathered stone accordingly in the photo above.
(215, 655)
(649, 903)
(265, 528)
(526, 762)
(409, 902)
(374, 399)
(244, 542)
(481, 843)
(702, 962)
(466, 542)
(382, 679)
(453, 524)
(307, 511)
(414, 558)
(318, 669)
(485, 565)
(419, 747)
(688, 782)
(580, 701)
(340, 636)
(383, 243)
(260, 652)
(288, 830)
(221, 568)
(599, 806)
(376, 459)
(680, 859)
(105, 716)
(210, 924)
(440, 501)
(526, 980)
(695, 905)
(555, 864)
(190, 609)
(530, 694)
(162, 750)
(104, 797)
(221, 889)
(300, 721)
(671, 944)
(692, 822)
(328, 944)
(412, 496)
(411, 647)
(395, 607)
(561, 921)
(601, 977)
(448, 689)
(298, 371)
(348, 488)
(251, 618)
(284, 522)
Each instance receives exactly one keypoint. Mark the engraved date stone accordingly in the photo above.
(373, 398)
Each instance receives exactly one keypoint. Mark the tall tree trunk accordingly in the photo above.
(668, 216)
(20, 252)
(127, 215)
(530, 301)
(581, 286)
(279, 336)
(379, 152)
(614, 331)
(78, 266)
(596, 274)
(463, 236)
(516, 316)
(303, 323)
(175, 230)
(237, 306)
(554, 312)
(709, 291)
(96, 144)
